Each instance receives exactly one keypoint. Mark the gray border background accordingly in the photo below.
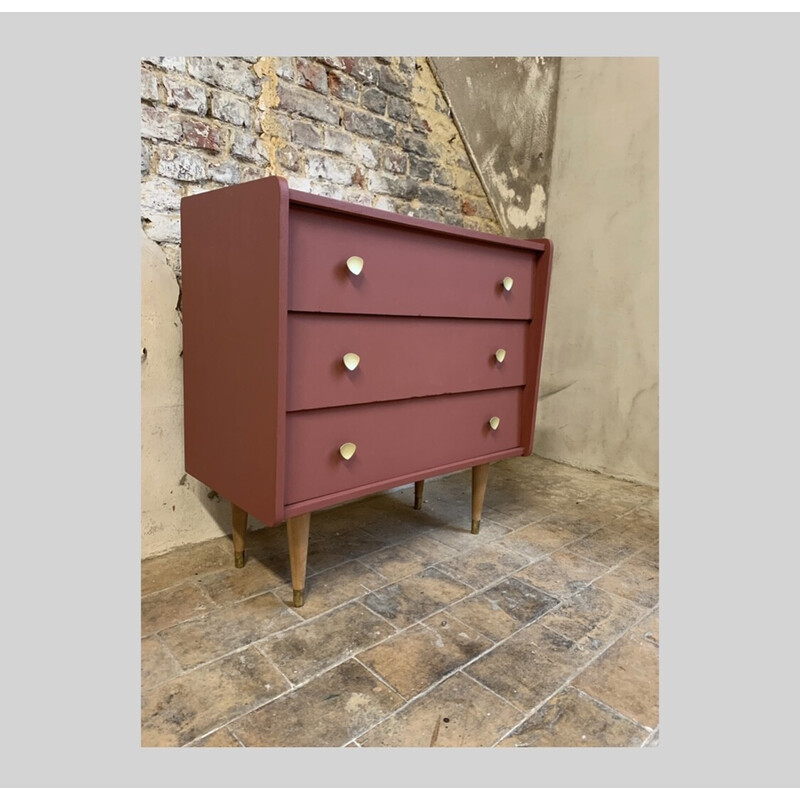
(728, 334)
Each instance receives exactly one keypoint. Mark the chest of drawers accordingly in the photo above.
(332, 351)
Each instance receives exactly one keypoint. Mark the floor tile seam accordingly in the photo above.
(561, 687)
(384, 681)
(652, 736)
(226, 606)
(174, 660)
(440, 680)
(568, 682)
(608, 707)
(474, 593)
(215, 607)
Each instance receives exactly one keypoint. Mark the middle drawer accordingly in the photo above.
(398, 357)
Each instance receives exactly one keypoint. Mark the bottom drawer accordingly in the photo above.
(395, 438)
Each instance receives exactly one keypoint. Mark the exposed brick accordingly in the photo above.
(229, 108)
(149, 85)
(414, 143)
(433, 213)
(312, 75)
(407, 64)
(365, 154)
(399, 109)
(158, 123)
(343, 87)
(404, 188)
(440, 198)
(284, 68)
(186, 95)
(289, 157)
(299, 182)
(226, 173)
(337, 141)
(359, 179)
(395, 161)
(250, 172)
(160, 194)
(247, 146)
(181, 165)
(443, 176)
(307, 104)
(145, 157)
(331, 61)
(331, 168)
(393, 83)
(163, 228)
(357, 195)
(419, 168)
(226, 73)
(369, 125)
(468, 208)
(374, 100)
(385, 203)
(173, 63)
(305, 134)
(420, 124)
(198, 133)
(364, 70)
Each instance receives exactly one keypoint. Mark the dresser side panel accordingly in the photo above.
(234, 263)
(541, 291)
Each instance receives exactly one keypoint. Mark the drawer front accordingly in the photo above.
(416, 273)
(394, 439)
(398, 357)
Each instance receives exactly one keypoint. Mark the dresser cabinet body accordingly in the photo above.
(446, 326)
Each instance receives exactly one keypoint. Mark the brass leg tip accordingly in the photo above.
(238, 559)
(298, 598)
(476, 525)
(418, 504)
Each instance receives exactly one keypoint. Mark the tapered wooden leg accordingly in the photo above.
(239, 529)
(418, 487)
(297, 529)
(480, 476)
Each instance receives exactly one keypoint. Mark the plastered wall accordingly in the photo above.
(599, 403)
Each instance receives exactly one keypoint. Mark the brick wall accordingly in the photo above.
(372, 131)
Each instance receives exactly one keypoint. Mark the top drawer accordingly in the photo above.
(405, 272)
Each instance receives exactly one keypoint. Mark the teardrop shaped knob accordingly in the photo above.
(494, 422)
(351, 360)
(355, 264)
(500, 355)
(347, 450)
(508, 283)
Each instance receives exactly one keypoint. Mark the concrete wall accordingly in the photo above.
(599, 408)
(505, 110)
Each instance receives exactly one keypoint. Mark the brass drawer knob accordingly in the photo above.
(355, 264)
(508, 283)
(351, 360)
(347, 450)
(500, 355)
(494, 422)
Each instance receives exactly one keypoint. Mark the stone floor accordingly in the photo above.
(540, 631)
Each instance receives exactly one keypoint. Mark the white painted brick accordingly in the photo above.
(164, 228)
(160, 194)
(181, 165)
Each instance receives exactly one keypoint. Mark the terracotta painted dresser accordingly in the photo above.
(332, 351)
